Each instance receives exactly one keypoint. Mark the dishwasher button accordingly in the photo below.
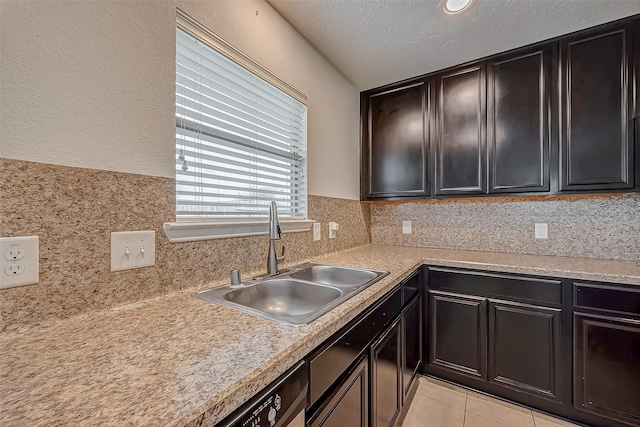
(272, 416)
(277, 402)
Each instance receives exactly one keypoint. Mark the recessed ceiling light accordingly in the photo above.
(455, 6)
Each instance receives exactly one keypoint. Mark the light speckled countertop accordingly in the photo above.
(176, 360)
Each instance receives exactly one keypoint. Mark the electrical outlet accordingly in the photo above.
(406, 227)
(133, 249)
(541, 230)
(14, 269)
(14, 254)
(20, 261)
(316, 231)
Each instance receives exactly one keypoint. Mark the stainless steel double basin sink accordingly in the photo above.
(296, 296)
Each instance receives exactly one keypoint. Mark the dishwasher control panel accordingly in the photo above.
(266, 414)
(276, 405)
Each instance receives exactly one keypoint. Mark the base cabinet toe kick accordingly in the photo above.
(568, 348)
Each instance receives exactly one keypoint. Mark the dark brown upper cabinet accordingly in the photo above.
(460, 141)
(597, 123)
(559, 116)
(518, 122)
(395, 143)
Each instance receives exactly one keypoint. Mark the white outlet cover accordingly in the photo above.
(141, 246)
(406, 227)
(316, 231)
(20, 261)
(541, 230)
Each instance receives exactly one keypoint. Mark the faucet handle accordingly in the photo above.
(274, 224)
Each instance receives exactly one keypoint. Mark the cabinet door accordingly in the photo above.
(458, 333)
(386, 383)
(396, 144)
(412, 342)
(348, 405)
(525, 348)
(607, 367)
(596, 144)
(461, 132)
(518, 126)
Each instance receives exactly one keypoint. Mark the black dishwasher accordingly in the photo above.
(280, 404)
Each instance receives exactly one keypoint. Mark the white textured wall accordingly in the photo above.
(91, 84)
(88, 84)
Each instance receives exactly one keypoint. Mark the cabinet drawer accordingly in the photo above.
(607, 297)
(327, 365)
(546, 292)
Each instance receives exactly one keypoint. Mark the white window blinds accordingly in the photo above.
(240, 141)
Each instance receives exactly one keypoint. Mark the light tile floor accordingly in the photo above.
(439, 404)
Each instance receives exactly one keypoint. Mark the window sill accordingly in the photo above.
(192, 231)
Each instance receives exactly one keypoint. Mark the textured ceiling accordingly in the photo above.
(378, 42)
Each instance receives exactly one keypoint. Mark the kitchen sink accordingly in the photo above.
(296, 296)
(334, 275)
(284, 297)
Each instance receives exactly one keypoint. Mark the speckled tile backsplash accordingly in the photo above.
(581, 226)
(74, 211)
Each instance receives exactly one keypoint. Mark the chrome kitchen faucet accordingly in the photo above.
(274, 234)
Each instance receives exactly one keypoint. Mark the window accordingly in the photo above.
(240, 140)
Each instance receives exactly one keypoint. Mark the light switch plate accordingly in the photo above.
(316, 231)
(406, 227)
(541, 230)
(19, 261)
(333, 228)
(141, 248)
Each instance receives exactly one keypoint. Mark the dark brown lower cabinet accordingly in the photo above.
(525, 348)
(348, 404)
(386, 383)
(607, 366)
(569, 348)
(356, 377)
(509, 344)
(458, 331)
(412, 339)
(503, 334)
